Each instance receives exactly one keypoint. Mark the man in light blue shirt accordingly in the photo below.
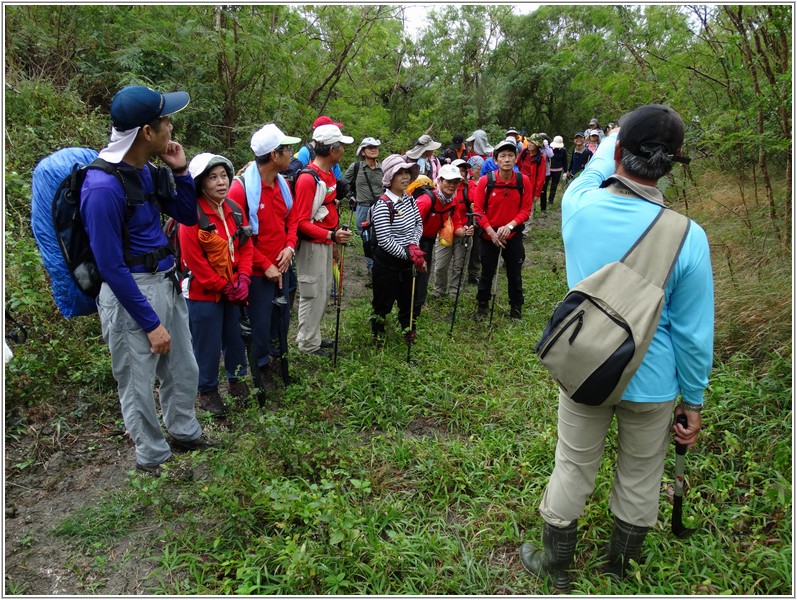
(604, 212)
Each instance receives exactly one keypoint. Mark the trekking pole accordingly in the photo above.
(495, 284)
(282, 305)
(249, 342)
(410, 337)
(338, 299)
(678, 528)
(467, 243)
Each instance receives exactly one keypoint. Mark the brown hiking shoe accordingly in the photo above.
(200, 443)
(211, 402)
(238, 390)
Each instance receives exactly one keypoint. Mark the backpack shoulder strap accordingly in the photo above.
(656, 251)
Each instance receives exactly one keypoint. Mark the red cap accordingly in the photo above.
(325, 120)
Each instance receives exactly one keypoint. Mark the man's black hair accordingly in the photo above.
(325, 149)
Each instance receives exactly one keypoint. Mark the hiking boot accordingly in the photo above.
(625, 545)
(322, 352)
(327, 343)
(473, 279)
(514, 313)
(211, 402)
(238, 390)
(482, 308)
(200, 443)
(558, 547)
(152, 470)
(267, 375)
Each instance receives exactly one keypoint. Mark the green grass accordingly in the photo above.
(386, 478)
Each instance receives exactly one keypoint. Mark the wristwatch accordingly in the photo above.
(510, 227)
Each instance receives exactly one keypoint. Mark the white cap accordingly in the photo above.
(449, 172)
(268, 138)
(331, 134)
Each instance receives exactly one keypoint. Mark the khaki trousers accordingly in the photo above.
(642, 439)
(314, 273)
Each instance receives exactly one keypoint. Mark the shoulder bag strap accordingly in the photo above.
(654, 254)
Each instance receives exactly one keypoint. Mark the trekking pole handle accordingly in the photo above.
(682, 420)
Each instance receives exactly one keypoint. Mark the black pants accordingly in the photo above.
(475, 260)
(555, 177)
(544, 194)
(392, 282)
(513, 254)
(422, 284)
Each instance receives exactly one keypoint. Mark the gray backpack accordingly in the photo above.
(601, 331)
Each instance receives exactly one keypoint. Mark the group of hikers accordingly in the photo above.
(248, 242)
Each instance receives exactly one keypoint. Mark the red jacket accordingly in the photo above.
(460, 214)
(433, 222)
(534, 170)
(504, 205)
(316, 231)
(277, 225)
(206, 284)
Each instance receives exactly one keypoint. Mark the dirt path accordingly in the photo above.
(52, 472)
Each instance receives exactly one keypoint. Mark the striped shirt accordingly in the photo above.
(405, 229)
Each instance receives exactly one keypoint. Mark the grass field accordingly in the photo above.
(383, 477)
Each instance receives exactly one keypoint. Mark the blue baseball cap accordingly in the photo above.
(137, 105)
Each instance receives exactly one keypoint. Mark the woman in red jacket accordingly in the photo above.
(217, 254)
(533, 164)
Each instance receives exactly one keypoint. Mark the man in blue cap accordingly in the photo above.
(142, 312)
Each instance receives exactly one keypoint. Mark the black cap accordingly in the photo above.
(652, 127)
(458, 138)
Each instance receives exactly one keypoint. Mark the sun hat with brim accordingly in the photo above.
(395, 163)
(268, 138)
(368, 141)
(424, 144)
(331, 134)
(476, 162)
(507, 144)
(202, 163)
(558, 142)
(512, 131)
(136, 105)
(449, 172)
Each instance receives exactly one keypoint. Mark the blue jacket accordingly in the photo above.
(599, 227)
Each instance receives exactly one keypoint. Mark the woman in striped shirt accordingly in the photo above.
(398, 227)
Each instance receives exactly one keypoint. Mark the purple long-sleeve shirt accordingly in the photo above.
(102, 209)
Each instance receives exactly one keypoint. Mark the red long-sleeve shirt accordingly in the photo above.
(316, 231)
(505, 203)
(276, 225)
(534, 170)
(207, 284)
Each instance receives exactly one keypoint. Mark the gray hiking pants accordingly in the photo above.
(643, 433)
(135, 368)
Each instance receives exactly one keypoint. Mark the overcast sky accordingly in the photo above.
(416, 13)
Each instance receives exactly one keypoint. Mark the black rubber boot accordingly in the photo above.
(482, 308)
(625, 545)
(515, 313)
(558, 547)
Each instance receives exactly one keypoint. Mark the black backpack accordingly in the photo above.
(72, 235)
(295, 167)
(173, 226)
